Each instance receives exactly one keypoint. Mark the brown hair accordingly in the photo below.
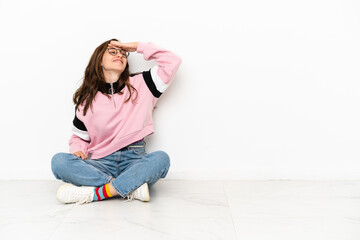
(94, 80)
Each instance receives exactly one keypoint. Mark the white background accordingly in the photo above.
(266, 89)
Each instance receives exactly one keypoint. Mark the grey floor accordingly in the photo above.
(188, 210)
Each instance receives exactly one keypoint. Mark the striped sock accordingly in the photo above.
(102, 192)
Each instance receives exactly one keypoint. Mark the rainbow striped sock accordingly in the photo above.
(102, 193)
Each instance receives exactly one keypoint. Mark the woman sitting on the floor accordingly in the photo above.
(113, 115)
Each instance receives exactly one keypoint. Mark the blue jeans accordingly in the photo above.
(131, 167)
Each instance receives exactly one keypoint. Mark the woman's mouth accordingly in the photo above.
(117, 60)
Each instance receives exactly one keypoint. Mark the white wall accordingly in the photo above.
(266, 90)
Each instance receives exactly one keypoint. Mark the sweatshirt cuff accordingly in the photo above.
(74, 149)
(140, 47)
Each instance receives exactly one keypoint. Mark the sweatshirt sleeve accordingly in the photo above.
(76, 143)
(80, 138)
(160, 76)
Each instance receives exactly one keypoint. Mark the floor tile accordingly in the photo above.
(29, 209)
(295, 209)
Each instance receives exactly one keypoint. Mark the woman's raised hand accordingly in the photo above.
(80, 154)
(128, 47)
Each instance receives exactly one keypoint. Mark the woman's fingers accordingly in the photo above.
(129, 47)
(80, 154)
(115, 44)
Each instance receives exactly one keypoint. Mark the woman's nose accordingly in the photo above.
(119, 53)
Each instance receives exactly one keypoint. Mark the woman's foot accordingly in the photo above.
(69, 193)
(141, 193)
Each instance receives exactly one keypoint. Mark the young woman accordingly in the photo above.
(113, 115)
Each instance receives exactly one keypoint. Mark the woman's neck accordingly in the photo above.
(111, 76)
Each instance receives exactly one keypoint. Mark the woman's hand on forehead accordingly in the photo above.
(114, 44)
(128, 47)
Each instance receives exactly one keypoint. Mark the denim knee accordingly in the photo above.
(58, 163)
(162, 159)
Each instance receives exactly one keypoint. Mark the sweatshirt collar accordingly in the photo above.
(115, 85)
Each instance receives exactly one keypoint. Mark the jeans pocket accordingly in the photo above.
(139, 149)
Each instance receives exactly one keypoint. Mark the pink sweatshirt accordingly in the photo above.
(114, 124)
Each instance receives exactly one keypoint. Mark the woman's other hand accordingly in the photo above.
(128, 47)
(80, 154)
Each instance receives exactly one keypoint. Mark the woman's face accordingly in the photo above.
(114, 60)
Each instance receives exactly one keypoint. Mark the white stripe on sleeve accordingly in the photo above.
(160, 85)
(82, 134)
